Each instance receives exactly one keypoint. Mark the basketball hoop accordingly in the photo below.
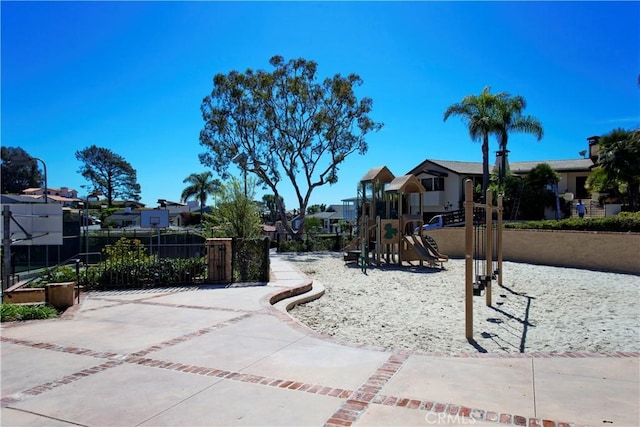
(154, 218)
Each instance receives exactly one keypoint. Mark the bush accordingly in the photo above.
(67, 273)
(128, 264)
(250, 260)
(308, 245)
(63, 273)
(623, 222)
(15, 312)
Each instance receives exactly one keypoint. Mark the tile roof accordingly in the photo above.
(475, 168)
(557, 165)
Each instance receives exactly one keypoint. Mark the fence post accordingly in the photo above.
(265, 260)
(234, 258)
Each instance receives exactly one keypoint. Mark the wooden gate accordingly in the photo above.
(219, 260)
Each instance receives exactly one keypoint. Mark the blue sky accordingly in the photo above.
(130, 76)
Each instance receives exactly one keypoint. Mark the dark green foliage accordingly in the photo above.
(190, 218)
(201, 186)
(509, 189)
(623, 222)
(250, 260)
(289, 127)
(15, 312)
(270, 208)
(66, 273)
(536, 194)
(152, 271)
(177, 271)
(109, 173)
(620, 158)
(313, 224)
(499, 114)
(127, 264)
(310, 245)
(236, 214)
(60, 274)
(18, 176)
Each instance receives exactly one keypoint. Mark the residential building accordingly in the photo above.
(177, 209)
(125, 218)
(65, 192)
(65, 196)
(330, 218)
(444, 180)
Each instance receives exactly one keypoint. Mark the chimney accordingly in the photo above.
(594, 148)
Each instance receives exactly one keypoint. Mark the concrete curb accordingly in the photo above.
(285, 301)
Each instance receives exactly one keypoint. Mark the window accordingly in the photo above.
(433, 184)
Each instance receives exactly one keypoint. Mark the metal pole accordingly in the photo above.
(46, 200)
(46, 188)
(6, 245)
(488, 213)
(468, 258)
(499, 242)
(78, 278)
(86, 232)
(79, 230)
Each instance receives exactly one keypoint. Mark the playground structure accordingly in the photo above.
(390, 231)
(483, 250)
(386, 222)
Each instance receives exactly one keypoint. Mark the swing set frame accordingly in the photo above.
(475, 282)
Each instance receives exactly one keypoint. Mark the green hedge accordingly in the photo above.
(308, 245)
(127, 264)
(623, 222)
(14, 312)
(250, 260)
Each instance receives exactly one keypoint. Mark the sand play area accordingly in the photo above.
(539, 309)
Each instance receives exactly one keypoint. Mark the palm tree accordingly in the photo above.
(477, 111)
(509, 118)
(201, 185)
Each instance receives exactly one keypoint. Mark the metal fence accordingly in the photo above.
(146, 259)
(131, 264)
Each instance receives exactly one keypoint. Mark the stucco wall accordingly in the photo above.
(618, 252)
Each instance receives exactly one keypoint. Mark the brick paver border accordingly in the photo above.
(356, 401)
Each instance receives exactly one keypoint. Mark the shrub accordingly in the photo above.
(178, 270)
(67, 273)
(15, 312)
(623, 222)
(63, 273)
(250, 260)
(128, 264)
(308, 245)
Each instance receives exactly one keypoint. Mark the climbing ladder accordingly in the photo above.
(516, 203)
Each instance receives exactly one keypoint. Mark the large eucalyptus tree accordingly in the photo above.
(285, 127)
